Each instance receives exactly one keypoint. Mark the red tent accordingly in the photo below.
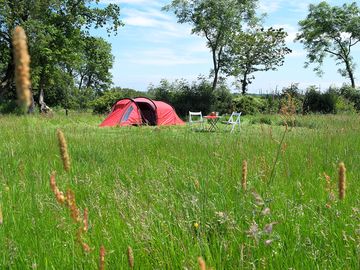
(141, 111)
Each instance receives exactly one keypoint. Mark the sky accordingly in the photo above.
(153, 46)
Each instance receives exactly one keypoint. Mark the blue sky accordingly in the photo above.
(153, 46)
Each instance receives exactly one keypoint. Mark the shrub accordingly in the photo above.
(104, 103)
(249, 104)
(195, 96)
(315, 101)
(352, 95)
(343, 105)
(262, 120)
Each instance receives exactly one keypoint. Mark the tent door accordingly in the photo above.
(148, 113)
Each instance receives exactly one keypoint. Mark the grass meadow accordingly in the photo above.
(173, 195)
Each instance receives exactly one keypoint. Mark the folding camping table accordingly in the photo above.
(212, 120)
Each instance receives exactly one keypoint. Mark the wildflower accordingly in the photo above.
(253, 230)
(196, 225)
(269, 227)
(258, 200)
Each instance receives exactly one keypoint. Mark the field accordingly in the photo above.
(173, 194)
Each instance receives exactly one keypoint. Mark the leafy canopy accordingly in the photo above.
(255, 50)
(217, 21)
(331, 31)
(59, 43)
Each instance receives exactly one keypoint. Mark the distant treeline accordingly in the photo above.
(199, 96)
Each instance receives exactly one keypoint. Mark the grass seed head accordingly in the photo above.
(342, 181)
(130, 255)
(102, 258)
(71, 203)
(63, 150)
(244, 175)
(86, 220)
(202, 264)
(22, 67)
(85, 247)
(59, 195)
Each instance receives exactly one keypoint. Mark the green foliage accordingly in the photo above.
(197, 96)
(224, 98)
(104, 103)
(61, 47)
(217, 21)
(297, 98)
(315, 101)
(343, 105)
(351, 94)
(249, 104)
(255, 50)
(331, 30)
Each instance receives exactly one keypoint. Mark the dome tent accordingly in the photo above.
(141, 111)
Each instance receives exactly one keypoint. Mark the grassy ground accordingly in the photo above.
(173, 195)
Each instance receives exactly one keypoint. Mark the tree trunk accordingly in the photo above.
(216, 70)
(43, 107)
(350, 73)
(244, 84)
(214, 84)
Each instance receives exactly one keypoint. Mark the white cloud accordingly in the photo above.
(269, 7)
(164, 57)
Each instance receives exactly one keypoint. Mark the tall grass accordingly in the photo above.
(173, 196)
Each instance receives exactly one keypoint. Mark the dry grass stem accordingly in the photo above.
(130, 257)
(342, 181)
(202, 264)
(63, 150)
(22, 67)
(244, 175)
(102, 258)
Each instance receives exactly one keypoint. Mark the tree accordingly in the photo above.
(95, 64)
(217, 21)
(331, 31)
(57, 33)
(255, 50)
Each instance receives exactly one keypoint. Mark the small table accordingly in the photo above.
(213, 120)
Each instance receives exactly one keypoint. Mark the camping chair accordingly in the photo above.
(234, 120)
(196, 118)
